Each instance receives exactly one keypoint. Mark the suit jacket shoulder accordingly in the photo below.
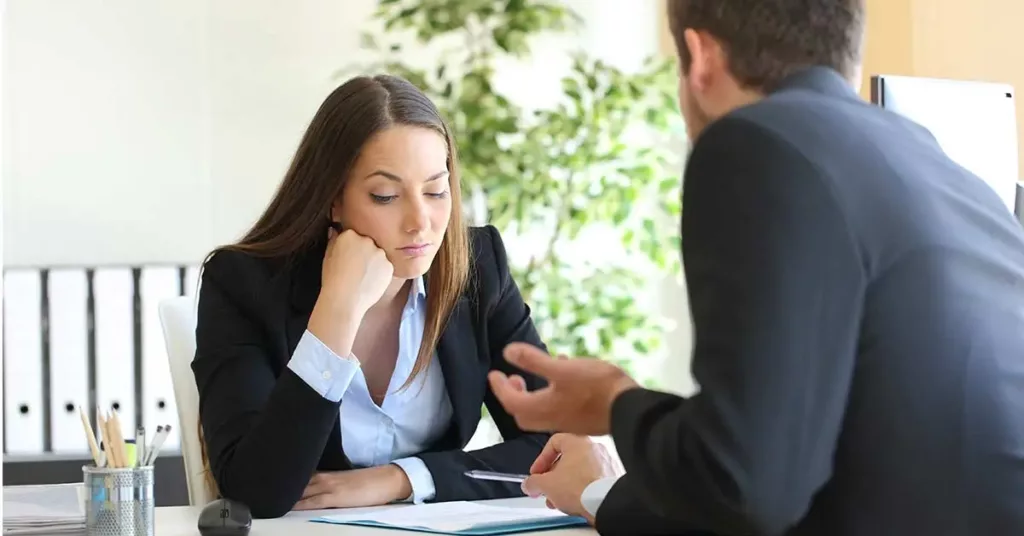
(489, 269)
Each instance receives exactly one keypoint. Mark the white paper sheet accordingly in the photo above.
(449, 516)
(53, 509)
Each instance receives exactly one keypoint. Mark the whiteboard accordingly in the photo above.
(975, 123)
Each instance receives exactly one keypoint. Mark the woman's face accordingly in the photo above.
(399, 195)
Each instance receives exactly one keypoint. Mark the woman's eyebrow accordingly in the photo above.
(396, 178)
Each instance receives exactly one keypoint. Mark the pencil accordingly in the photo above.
(94, 448)
(101, 438)
(119, 440)
(113, 460)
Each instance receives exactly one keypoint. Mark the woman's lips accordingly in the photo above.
(415, 250)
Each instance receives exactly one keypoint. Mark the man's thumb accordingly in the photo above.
(533, 486)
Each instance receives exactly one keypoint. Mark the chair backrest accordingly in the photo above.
(178, 319)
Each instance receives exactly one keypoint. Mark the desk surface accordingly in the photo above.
(181, 521)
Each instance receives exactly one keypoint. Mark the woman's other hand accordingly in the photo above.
(372, 486)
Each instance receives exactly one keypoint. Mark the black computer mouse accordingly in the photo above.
(224, 517)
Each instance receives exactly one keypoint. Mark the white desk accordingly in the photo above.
(181, 521)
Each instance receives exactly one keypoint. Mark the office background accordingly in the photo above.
(138, 135)
(947, 39)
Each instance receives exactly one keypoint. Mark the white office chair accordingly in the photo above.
(178, 319)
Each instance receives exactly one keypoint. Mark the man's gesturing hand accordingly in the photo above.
(577, 399)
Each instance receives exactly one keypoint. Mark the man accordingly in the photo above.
(858, 307)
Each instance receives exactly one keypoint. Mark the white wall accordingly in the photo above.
(3, 10)
(152, 131)
(142, 132)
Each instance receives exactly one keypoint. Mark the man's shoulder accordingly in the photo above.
(749, 138)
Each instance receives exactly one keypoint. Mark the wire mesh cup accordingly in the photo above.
(119, 502)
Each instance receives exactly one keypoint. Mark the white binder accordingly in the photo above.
(22, 362)
(115, 364)
(192, 281)
(158, 407)
(69, 359)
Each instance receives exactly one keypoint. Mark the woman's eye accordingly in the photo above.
(439, 195)
(382, 199)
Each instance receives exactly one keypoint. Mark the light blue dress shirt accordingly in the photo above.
(406, 423)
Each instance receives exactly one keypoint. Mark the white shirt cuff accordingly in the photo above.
(420, 478)
(322, 369)
(595, 492)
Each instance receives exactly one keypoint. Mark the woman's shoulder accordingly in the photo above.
(240, 273)
(486, 244)
(489, 270)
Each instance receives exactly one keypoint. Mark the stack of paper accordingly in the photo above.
(459, 518)
(54, 509)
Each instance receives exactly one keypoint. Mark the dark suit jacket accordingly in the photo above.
(267, 431)
(858, 306)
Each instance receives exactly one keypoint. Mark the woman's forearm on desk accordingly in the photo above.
(264, 433)
(265, 458)
(511, 456)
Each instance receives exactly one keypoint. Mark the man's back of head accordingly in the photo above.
(732, 52)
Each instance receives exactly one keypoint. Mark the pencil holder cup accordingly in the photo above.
(119, 502)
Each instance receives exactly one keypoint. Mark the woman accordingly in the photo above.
(361, 290)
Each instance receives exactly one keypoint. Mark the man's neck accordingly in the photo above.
(738, 98)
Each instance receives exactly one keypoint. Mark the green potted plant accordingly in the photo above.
(600, 163)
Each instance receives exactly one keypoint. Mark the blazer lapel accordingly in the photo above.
(457, 355)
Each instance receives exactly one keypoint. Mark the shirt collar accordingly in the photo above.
(417, 294)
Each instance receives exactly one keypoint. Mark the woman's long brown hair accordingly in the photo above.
(297, 215)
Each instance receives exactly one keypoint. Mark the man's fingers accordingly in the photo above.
(533, 359)
(501, 385)
(532, 410)
(552, 450)
(517, 382)
(534, 485)
(512, 392)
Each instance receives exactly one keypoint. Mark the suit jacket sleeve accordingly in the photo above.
(508, 321)
(776, 287)
(624, 512)
(260, 454)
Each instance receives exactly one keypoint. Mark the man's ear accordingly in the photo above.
(700, 58)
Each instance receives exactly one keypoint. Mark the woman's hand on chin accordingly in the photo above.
(372, 486)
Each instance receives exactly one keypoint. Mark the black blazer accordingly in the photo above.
(267, 431)
(858, 307)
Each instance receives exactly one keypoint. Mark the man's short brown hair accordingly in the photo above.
(767, 40)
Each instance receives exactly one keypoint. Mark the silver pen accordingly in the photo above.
(501, 477)
(140, 446)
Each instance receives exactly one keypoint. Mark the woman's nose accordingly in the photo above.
(416, 217)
